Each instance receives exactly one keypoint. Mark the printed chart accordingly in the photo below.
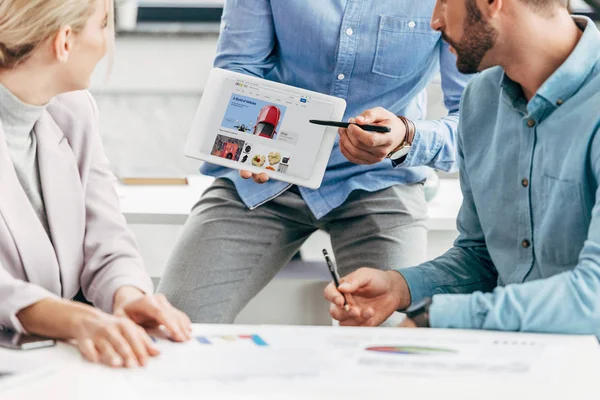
(251, 339)
(413, 350)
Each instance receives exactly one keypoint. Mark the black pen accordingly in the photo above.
(369, 128)
(335, 275)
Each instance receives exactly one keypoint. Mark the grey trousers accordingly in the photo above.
(228, 253)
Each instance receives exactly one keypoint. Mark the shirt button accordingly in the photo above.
(412, 24)
(531, 123)
(341, 77)
(525, 244)
(349, 32)
(559, 102)
(525, 182)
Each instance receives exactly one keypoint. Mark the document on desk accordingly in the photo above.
(259, 362)
(250, 358)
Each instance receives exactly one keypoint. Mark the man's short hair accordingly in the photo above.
(546, 4)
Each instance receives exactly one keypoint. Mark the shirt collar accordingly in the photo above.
(573, 73)
(568, 78)
(513, 92)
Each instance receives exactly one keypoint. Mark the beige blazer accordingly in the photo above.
(90, 246)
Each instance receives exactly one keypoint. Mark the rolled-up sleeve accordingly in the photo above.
(434, 144)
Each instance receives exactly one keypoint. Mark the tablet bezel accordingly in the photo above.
(213, 88)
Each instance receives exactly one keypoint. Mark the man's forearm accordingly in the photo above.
(564, 303)
(434, 144)
(460, 270)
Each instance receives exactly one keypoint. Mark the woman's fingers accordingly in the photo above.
(108, 355)
(165, 317)
(150, 346)
(122, 346)
(88, 349)
(184, 322)
(179, 318)
(134, 335)
(153, 308)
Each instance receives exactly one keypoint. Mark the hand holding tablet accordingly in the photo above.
(252, 124)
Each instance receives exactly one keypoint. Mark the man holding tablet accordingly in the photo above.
(370, 53)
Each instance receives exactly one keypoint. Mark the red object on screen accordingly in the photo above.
(229, 151)
(267, 122)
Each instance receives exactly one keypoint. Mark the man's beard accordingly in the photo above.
(478, 38)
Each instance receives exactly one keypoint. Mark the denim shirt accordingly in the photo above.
(528, 254)
(370, 53)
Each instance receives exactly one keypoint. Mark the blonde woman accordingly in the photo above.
(60, 225)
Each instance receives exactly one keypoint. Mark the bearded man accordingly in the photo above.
(528, 254)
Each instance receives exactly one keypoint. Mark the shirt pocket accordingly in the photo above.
(405, 46)
(563, 229)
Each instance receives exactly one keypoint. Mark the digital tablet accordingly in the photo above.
(249, 123)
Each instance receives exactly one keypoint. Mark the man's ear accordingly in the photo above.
(62, 45)
(490, 8)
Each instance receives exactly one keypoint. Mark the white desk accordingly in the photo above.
(323, 363)
(161, 205)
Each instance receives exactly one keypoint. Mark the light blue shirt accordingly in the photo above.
(528, 254)
(370, 53)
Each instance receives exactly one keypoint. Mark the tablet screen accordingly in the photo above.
(259, 125)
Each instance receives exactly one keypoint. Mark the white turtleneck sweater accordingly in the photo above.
(18, 120)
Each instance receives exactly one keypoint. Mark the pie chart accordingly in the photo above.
(413, 350)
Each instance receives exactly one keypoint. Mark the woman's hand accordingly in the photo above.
(152, 311)
(100, 337)
(111, 340)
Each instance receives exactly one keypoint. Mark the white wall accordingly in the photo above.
(165, 64)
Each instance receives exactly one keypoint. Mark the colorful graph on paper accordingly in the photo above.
(414, 350)
(212, 340)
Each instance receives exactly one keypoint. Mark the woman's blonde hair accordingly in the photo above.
(25, 24)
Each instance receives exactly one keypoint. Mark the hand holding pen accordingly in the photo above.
(335, 275)
(373, 295)
(362, 146)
